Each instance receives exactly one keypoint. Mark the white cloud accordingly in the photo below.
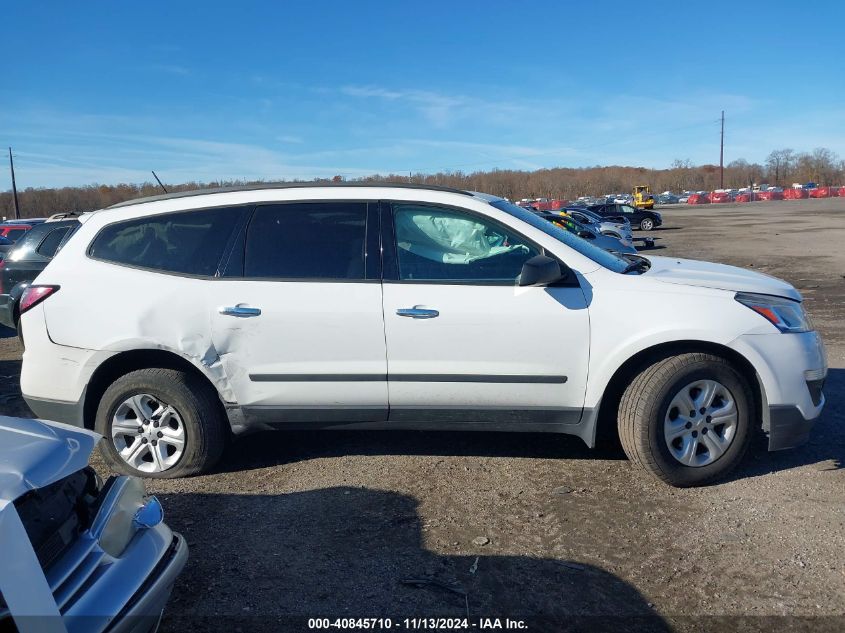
(439, 109)
(290, 138)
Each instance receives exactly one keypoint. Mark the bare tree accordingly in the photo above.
(781, 163)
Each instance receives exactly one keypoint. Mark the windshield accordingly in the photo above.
(598, 255)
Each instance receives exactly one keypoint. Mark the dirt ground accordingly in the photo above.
(330, 524)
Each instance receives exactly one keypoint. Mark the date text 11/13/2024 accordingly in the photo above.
(417, 623)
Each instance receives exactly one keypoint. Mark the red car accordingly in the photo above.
(15, 229)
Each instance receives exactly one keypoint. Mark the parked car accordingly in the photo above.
(645, 219)
(14, 230)
(28, 257)
(98, 555)
(590, 233)
(618, 228)
(172, 323)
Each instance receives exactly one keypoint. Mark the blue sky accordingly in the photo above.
(102, 92)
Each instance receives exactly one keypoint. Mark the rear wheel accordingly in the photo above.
(687, 419)
(160, 423)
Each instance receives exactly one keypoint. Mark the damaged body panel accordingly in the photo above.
(74, 558)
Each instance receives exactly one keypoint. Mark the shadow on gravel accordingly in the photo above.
(6, 332)
(273, 448)
(827, 439)
(267, 563)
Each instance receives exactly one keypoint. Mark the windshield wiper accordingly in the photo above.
(638, 264)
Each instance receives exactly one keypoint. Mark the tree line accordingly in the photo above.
(782, 167)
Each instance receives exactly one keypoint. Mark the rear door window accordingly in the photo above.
(191, 242)
(312, 240)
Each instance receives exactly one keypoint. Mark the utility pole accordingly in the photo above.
(14, 187)
(722, 155)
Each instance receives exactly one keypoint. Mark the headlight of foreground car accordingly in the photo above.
(785, 314)
(125, 510)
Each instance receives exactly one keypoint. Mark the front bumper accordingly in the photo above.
(143, 612)
(792, 402)
(788, 427)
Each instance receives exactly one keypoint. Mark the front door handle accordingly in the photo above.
(418, 313)
(239, 311)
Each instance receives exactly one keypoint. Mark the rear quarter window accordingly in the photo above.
(50, 244)
(191, 242)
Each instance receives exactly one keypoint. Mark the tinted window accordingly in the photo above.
(26, 245)
(437, 244)
(313, 240)
(190, 242)
(50, 244)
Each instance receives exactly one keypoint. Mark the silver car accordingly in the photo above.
(621, 229)
(77, 555)
(591, 233)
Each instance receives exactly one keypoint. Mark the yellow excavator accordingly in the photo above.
(642, 197)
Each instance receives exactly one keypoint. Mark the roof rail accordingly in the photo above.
(290, 185)
(64, 216)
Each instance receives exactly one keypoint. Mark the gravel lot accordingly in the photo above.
(325, 524)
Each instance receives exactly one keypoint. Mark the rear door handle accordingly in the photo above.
(418, 313)
(239, 311)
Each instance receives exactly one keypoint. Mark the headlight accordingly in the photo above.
(785, 314)
(124, 510)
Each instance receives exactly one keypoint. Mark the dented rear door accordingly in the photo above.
(296, 318)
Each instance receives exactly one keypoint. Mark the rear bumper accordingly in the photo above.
(58, 410)
(788, 427)
(143, 612)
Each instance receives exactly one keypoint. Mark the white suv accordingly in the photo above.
(170, 324)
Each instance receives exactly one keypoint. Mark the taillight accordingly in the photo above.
(33, 295)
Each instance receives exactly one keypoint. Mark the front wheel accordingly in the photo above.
(160, 423)
(647, 224)
(687, 419)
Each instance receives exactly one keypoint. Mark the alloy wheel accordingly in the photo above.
(148, 434)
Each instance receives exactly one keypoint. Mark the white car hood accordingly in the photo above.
(690, 272)
(35, 453)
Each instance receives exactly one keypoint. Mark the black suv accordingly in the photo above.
(25, 260)
(639, 218)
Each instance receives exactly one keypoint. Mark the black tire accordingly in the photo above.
(646, 224)
(645, 403)
(206, 427)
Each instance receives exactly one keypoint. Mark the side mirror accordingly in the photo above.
(541, 271)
